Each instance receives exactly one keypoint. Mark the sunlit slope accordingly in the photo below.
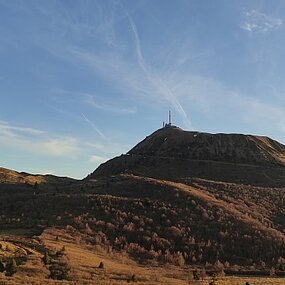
(12, 177)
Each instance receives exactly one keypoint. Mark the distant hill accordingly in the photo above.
(12, 177)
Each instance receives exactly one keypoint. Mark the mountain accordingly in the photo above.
(221, 193)
(174, 154)
(234, 148)
(213, 201)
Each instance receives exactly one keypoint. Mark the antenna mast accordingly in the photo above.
(169, 118)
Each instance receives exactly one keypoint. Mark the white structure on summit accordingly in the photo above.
(169, 124)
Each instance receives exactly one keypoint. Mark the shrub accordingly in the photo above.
(174, 232)
(11, 267)
(214, 279)
(46, 258)
(196, 274)
(101, 265)
(133, 278)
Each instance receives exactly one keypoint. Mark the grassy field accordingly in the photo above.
(80, 262)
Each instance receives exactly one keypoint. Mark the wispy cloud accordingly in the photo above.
(138, 79)
(97, 101)
(214, 99)
(159, 85)
(109, 149)
(91, 100)
(7, 128)
(37, 141)
(206, 95)
(76, 116)
(93, 126)
(61, 146)
(122, 59)
(116, 60)
(255, 21)
(97, 158)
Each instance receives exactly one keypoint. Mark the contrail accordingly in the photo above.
(92, 125)
(162, 87)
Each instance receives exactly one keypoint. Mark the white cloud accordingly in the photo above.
(132, 74)
(205, 94)
(271, 117)
(37, 141)
(256, 21)
(133, 79)
(108, 107)
(41, 143)
(125, 65)
(7, 128)
(109, 148)
(97, 158)
(61, 146)
(216, 99)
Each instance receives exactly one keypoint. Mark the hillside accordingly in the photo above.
(11, 177)
(177, 200)
(234, 148)
(8, 176)
(174, 154)
(226, 189)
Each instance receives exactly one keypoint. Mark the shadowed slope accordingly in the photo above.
(174, 154)
(235, 148)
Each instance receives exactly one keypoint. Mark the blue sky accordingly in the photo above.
(83, 81)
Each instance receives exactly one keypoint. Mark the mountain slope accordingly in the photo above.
(174, 154)
(180, 198)
(8, 176)
(236, 148)
(221, 193)
(162, 221)
(203, 220)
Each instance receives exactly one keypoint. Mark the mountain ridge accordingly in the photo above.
(233, 147)
(171, 153)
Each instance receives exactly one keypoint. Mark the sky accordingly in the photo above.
(83, 81)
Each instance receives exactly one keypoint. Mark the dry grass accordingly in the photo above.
(83, 261)
(205, 196)
(13, 177)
